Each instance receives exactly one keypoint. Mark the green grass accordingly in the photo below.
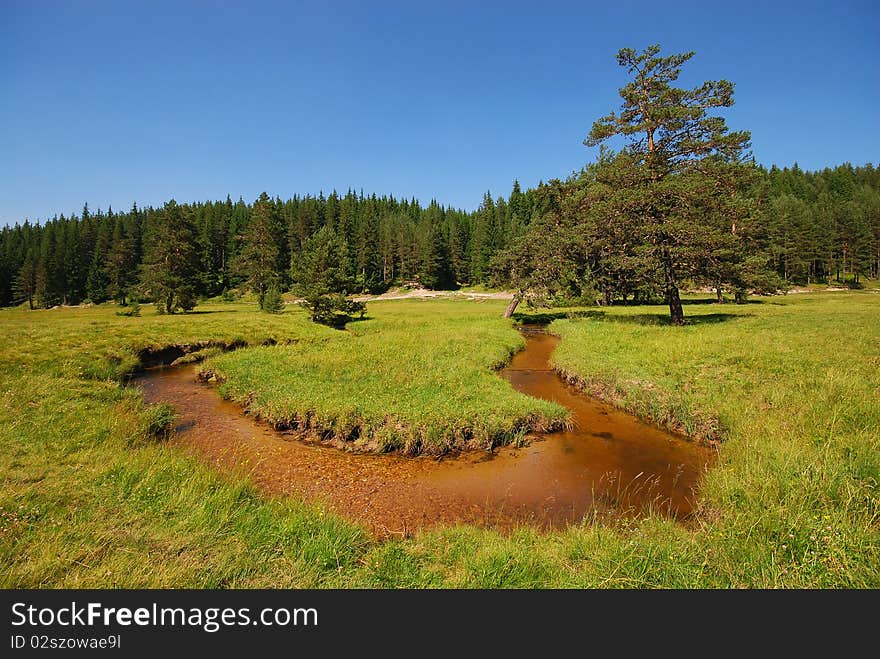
(94, 343)
(92, 497)
(414, 378)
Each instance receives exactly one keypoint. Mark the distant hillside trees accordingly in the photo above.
(802, 227)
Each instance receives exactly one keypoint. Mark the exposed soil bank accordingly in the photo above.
(170, 354)
(608, 464)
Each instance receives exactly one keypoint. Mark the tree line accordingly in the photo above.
(221, 246)
(681, 204)
(815, 227)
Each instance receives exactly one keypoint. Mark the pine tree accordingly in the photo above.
(239, 218)
(485, 239)
(257, 262)
(435, 271)
(670, 133)
(321, 278)
(369, 257)
(459, 247)
(48, 288)
(74, 272)
(170, 271)
(545, 264)
(25, 285)
(120, 265)
(96, 283)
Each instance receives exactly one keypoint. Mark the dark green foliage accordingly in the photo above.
(792, 228)
(435, 270)
(653, 191)
(484, 244)
(25, 284)
(334, 309)
(120, 268)
(96, 282)
(548, 264)
(272, 302)
(823, 226)
(369, 273)
(321, 278)
(257, 263)
(170, 271)
(132, 310)
(323, 264)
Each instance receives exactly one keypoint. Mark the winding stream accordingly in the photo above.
(609, 464)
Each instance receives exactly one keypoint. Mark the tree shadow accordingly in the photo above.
(712, 300)
(545, 318)
(343, 324)
(686, 302)
(205, 311)
(656, 319)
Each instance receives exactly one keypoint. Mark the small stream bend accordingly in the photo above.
(608, 464)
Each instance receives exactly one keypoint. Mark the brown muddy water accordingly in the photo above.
(609, 465)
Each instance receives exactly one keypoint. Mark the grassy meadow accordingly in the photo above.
(418, 377)
(789, 385)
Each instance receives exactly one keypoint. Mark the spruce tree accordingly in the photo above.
(96, 283)
(321, 278)
(25, 284)
(120, 266)
(256, 263)
(485, 239)
(436, 272)
(48, 287)
(170, 271)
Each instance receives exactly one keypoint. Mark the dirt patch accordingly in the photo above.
(424, 293)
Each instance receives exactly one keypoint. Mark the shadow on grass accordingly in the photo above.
(685, 302)
(196, 312)
(545, 318)
(343, 325)
(655, 319)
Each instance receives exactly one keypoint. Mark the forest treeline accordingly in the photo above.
(812, 227)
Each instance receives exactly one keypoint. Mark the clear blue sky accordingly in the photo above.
(114, 102)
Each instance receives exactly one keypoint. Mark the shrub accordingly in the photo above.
(334, 309)
(132, 310)
(272, 301)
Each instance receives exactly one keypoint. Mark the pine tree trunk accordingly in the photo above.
(676, 313)
(514, 303)
(719, 295)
